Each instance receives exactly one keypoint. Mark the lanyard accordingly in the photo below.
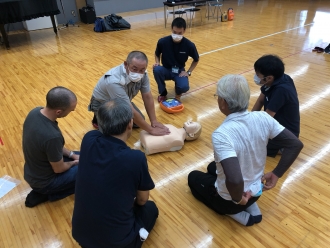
(179, 48)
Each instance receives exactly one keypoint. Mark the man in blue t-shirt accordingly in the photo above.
(173, 51)
(278, 96)
(112, 189)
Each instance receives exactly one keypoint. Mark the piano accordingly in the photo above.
(12, 11)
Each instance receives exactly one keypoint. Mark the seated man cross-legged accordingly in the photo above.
(232, 184)
(111, 206)
(50, 169)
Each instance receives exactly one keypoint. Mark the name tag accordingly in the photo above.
(175, 69)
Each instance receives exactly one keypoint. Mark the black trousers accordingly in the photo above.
(272, 149)
(202, 187)
(146, 216)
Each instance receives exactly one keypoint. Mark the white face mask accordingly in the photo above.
(257, 80)
(134, 76)
(177, 37)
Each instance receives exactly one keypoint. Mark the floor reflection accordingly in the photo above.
(319, 34)
(295, 174)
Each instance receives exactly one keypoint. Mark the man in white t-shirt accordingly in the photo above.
(235, 180)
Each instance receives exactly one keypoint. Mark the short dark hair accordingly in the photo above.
(114, 116)
(179, 22)
(60, 98)
(136, 55)
(270, 65)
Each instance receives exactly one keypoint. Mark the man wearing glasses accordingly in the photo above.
(234, 182)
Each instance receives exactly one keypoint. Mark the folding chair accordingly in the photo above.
(178, 11)
(192, 10)
(216, 4)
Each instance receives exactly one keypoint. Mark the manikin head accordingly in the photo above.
(193, 130)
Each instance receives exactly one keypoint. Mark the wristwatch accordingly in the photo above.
(71, 154)
(189, 73)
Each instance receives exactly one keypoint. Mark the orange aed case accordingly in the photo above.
(171, 106)
(230, 14)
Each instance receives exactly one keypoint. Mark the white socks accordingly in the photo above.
(243, 217)
(249, 217)
(255, 212)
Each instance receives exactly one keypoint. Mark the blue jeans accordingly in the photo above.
(161, 74)
(63, 184)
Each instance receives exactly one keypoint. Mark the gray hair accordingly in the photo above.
(136, 55)
(114, 116)
(60, 98)
(234, 89)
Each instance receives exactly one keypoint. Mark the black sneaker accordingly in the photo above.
(327, 49)
(34, 198)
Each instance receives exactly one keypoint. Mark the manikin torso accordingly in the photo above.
(171, 142)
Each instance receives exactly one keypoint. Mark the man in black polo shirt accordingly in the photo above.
(278, 96)
(113, 182)
(174, 51)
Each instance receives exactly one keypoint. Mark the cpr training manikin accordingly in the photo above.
(172, 142)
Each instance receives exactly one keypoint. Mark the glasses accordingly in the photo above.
(217, 97)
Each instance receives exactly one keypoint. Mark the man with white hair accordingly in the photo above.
(234, 182)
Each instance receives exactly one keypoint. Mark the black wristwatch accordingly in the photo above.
(189, 73)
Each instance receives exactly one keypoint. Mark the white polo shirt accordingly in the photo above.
(244, 135)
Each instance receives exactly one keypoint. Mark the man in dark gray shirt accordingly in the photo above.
(50, 175)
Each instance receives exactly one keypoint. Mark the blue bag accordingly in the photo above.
(99, 25)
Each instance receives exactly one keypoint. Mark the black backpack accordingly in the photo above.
(115, 22)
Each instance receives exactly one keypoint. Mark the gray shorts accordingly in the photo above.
(94, 104)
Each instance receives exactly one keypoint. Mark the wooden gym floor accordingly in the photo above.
(295, 213)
